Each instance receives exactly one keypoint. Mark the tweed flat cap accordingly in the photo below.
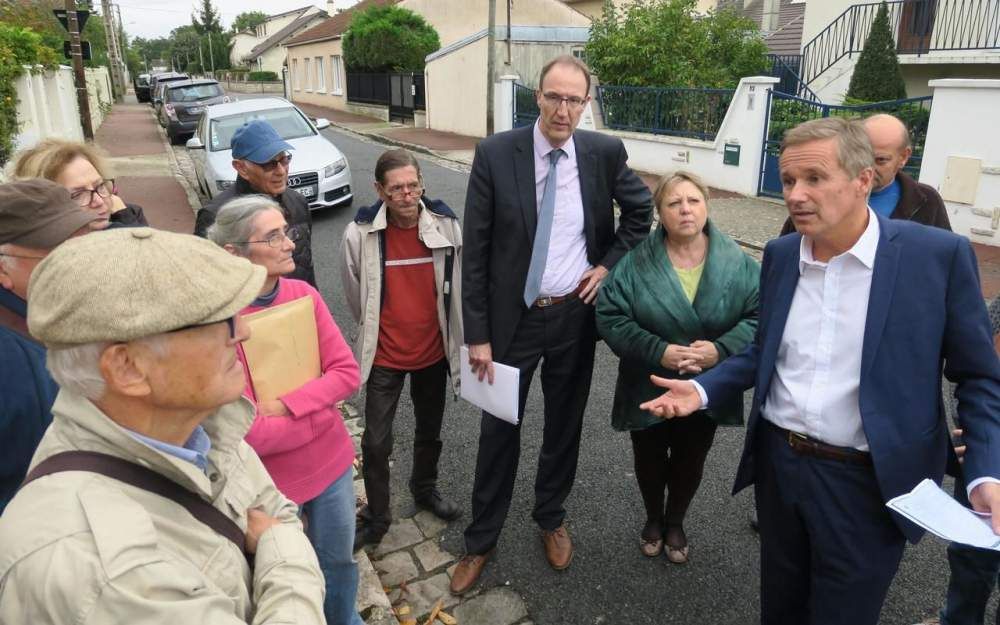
(127, 283)
(39, 213)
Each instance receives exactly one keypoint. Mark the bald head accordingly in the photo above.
(891, 144)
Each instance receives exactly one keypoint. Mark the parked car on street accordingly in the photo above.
(141, 86)
(157, 80)
(318, 170)
(183, 103)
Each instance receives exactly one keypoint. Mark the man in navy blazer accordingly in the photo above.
(857, 315)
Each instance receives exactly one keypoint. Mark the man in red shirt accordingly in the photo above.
(400, 257)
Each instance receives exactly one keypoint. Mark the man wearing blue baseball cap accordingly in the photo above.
(261, 159)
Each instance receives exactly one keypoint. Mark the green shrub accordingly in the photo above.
(262, 76)
(19, 47)
(388, 39)
(877, 76)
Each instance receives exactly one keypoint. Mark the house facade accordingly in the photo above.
(540, 29)
(935, 39)
(261, 48)
(594, 8)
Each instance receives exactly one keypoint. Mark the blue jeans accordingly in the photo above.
(330, 528)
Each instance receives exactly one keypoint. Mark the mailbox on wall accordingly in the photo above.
(731, 154)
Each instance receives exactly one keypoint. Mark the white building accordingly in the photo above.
(261, 48)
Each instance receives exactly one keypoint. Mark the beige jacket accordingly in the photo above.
(361, 273)
(81, 548)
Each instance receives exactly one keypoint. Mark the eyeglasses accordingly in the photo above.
(22, 256)
(85, 197)
(398, 191)
(276, 239)
(231, 322)
(285, 160)
(555, 101)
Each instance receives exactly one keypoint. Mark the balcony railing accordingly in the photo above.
(918, 27)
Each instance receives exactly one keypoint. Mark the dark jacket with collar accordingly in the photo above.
(26, 396)
(501, 216)
(918, 202)
(296, 211)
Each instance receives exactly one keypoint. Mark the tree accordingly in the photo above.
(388, 38)
(207, 19)
(665, 43)
(38, 17)
(877, 76)
(248, 19)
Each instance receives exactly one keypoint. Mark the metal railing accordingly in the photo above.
(368, 88)
(786, 68)
(525, 106)
(918, 27)
(678, 112)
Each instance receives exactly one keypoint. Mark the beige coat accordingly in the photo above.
(361, 273)
(81, 548)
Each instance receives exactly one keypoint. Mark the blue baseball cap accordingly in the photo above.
(257, 142)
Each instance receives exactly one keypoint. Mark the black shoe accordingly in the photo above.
(753, 520)
(439, 506)
(367, 535)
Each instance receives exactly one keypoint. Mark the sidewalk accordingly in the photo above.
(145, 170)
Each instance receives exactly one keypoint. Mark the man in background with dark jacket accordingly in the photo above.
(261, 159)
(35, 216)
(895, 194)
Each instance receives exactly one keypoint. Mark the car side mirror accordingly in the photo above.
(194, 143)
(321, 123)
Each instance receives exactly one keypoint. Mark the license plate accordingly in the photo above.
(195, 109)
(308, 191)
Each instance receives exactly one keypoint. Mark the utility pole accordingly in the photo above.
(201, 57)
(122, 43)
(79, 77)
(491, 63)
(114, 58)
(211, 54)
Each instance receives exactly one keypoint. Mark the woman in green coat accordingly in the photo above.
(680, 302)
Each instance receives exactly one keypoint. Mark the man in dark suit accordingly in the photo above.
(539, 238)
(857, 314)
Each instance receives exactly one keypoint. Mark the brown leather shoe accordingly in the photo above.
(558, 547)
(467, 572)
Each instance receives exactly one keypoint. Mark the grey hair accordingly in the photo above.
(234, 220)
(78, 368)
(854, 150)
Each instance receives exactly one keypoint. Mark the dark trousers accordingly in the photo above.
(671, 456)
(828, 547)
(975, 573)
(427, 390)
(561, 337)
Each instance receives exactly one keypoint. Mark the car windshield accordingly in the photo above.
(143, 81)
(288, 122)
(193, 93)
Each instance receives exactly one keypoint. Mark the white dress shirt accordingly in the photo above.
(567, 258)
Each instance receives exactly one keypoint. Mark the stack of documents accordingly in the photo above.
(937, 512)
(500, 399)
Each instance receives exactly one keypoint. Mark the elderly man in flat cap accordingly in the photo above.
(143, 503)
(35, 216)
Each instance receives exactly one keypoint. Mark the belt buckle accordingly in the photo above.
(542, 302)
(795, 439)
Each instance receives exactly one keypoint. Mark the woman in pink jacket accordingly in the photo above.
(301, 437)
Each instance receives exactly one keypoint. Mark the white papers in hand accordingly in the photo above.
(500, 399)
(937, 512)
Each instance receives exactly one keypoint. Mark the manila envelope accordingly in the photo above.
(283, 349)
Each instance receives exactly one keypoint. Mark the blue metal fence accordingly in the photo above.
(525, 106)
(786, 111)
(678, 112)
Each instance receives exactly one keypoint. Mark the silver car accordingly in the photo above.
(319, 171)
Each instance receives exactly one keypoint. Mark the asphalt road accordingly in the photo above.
(609, 580)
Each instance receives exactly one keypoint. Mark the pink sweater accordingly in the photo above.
(306, 451)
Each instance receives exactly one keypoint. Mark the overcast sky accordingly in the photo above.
(156, 18)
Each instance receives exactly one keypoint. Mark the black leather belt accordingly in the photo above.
(543, 302)
(802, 444)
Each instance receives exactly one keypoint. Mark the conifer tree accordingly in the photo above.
(877, 76)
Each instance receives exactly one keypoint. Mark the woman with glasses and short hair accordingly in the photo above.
(82, 169)
(301, 436)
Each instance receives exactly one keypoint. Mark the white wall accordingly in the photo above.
(958, 128)
(743, 125)
(47, 106)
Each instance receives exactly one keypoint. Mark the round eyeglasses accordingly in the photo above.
(276, 239)
(85, 197)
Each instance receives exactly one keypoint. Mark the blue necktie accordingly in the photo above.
(540, 250)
